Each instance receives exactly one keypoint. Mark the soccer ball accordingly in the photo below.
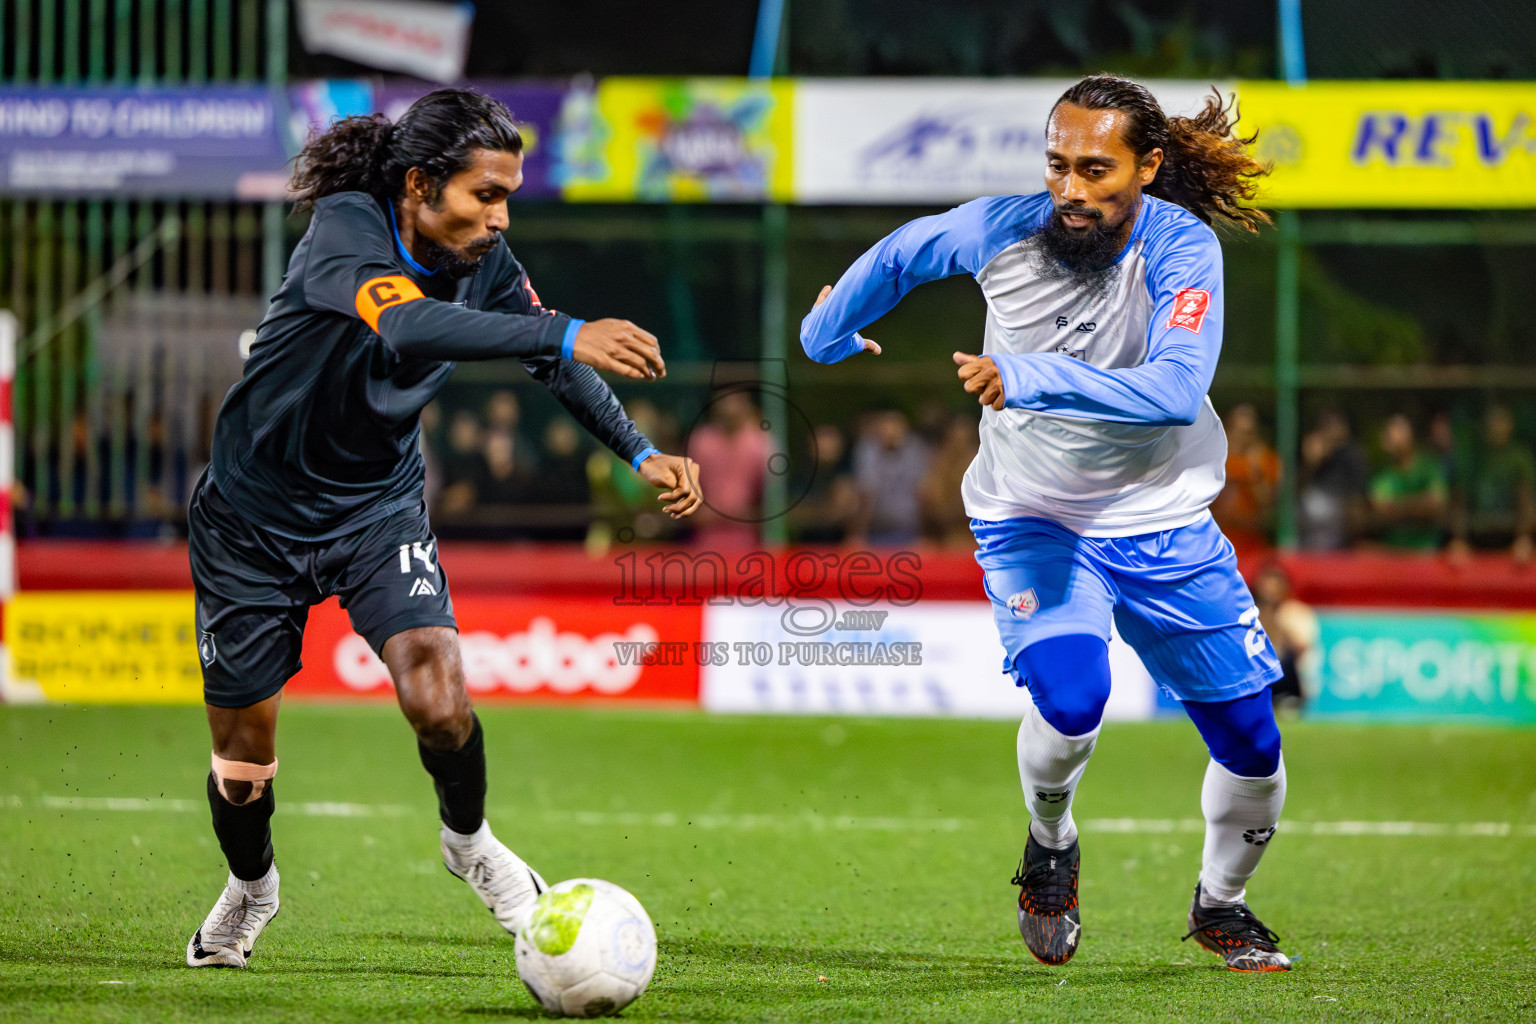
(586, 949)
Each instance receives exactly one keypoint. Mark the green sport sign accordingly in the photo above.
(1425, 665)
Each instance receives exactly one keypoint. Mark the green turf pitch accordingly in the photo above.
(797, 869)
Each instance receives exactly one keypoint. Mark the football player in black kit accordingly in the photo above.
(315, 482)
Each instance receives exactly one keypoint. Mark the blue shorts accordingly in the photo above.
(1176, 598)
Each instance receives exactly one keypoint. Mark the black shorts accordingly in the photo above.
(254, 589)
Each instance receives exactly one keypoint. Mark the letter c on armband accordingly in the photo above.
(379, 293)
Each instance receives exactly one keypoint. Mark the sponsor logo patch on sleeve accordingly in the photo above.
(1189, 307)
(378, 294)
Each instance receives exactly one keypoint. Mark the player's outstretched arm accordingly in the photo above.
(926, 249)
(678, 475)
(589, 399)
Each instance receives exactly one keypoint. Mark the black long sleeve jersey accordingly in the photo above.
(319, 438)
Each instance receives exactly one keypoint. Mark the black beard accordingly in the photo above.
(452, 263)
(1083, 253)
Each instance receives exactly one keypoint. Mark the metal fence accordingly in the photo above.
(129, 309)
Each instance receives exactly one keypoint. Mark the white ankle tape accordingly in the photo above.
(258, 775)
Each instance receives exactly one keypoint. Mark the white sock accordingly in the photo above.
(1050, 766)
(1240, 818)
(259, 889)
(461, 843)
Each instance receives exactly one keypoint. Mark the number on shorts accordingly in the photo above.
(1254, 641)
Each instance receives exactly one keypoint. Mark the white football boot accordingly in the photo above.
(505, 884)
(230, 930)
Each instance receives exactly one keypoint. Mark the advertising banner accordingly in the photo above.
(429, 40)
(677, 140)
(931, 140)
(314, 105)
(214, 141)
(111, 647)
(141, 647)
(516, 647)
(934, 658)
(1402, 664)
(535, 107)
(1395, 144)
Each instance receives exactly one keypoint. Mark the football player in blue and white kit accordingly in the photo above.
(1099, 455)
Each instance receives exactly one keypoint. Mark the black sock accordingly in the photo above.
(245, 832)
(459, 776)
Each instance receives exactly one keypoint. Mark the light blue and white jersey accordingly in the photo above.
(1107, 428)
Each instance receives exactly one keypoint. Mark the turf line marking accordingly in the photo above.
(805, 821)
(1464, 829)
(317, 809)
(750, 822)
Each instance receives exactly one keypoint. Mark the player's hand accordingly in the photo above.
(619, 347)
(980, 377)
(680, 476)
(826, 289)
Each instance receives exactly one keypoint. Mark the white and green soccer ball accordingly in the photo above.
(586, 949)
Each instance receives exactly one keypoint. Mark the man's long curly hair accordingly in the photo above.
(1206, 166)
(439, 134)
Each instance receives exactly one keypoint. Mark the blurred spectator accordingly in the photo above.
(1408, 493)
(463, 464)
(732, 451)
(944, 517)
(1293, 630)
(506, 474)
(1245, 504)
(933, 421)
(562, 476)
(556, 497)
(517, 461)
(889, 464)
(1334, 476)
(1495, 504)
(831, 504)
(503, 411)
(1440, 439)
(427, 441)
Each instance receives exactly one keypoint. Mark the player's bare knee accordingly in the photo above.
(429, 680)
(442, 726)
(242, 782)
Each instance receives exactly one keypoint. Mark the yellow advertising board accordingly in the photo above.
(678, 140)
(119, 646)
(1467, 145)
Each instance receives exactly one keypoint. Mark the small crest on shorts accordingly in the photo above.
(1024, 603)
(423, 588)
(206, 649)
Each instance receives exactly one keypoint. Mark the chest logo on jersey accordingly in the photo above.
(1189, 307)
(1084, 327)
(1024, 603)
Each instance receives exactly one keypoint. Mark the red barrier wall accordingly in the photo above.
(1365, 579)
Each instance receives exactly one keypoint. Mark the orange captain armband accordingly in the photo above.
(378, 294)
